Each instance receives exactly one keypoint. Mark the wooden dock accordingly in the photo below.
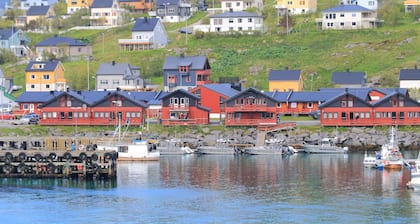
(54, 158)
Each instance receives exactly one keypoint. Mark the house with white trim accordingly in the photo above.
(346, 17)
(231, 21)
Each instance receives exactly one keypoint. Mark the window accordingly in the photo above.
(230, 20)
(183, 69)
(293, 105)
(343, 103)
(249, 20)
(171, 79)
(343, 115)
(310, 105)
(103, 82)
(47, 86)
(218, 21)
(341, 14)
(401, 115)
(350, 103)
(353, 24)
(394, 115)
(278, 105)
(239, 20)
(33, 76)
(378, 115)
(32, 86)
(324, 115)
(341, 24)
(187, 78)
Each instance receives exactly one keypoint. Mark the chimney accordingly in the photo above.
(145, 19)
(79, 92)
(347, 70)
(52, 92)
(415, 67)
(113, 63)
(182, 55)
(286, 68)
(68, 89)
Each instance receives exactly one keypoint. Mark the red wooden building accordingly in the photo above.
(93, 108)
(347, 109)
(214, 96)
(183, 108)
(251, 107)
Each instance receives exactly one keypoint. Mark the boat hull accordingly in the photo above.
(323, 149)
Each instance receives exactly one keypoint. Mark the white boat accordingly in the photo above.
(414, 182)
(136, 150)
(390, 156)
(175, 147)
(369, 161)
(327, 145)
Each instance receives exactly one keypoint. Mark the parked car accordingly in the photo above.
(315, 114)
(7, 116)
(27, 119)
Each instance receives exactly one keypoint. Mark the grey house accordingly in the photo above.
(14, 40)
(173, 11)
(147, 33)
(113, 76)
(349, 79)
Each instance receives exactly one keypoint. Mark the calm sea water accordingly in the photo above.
(220, 189)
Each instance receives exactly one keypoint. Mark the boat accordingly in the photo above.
(271, 147)
(414, 182)
(327, 145)
(136, 150)
(390, 156)
(369, 161)
(222, 147)
(175, 147)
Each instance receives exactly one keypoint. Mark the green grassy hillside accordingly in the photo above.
(380, 52)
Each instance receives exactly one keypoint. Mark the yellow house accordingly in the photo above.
(75, 5)
(297, 7)
(410, 5)
(45, 76)
(285, 80)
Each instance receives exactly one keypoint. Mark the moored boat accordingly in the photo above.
(222, 147)
(137, 150)
(390, 156)
(327, 145)
(175, 147)
(369, 161)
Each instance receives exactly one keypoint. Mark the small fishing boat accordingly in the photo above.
(175, 147)
(390, 156)
(414, 182)
(369, 161)
(271, 147)
(137, 150)
(222, 147)
(327, 146)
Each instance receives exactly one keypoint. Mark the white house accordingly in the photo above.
(343, 17)
(106, 12)
(236, 21)
(369, 4)
(410, 78)
(147, 33)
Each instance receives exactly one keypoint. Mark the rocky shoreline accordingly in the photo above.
(356, 138)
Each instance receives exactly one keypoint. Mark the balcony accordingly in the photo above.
(134, 41)
(255, 107)
(250, 122)
(179, 107)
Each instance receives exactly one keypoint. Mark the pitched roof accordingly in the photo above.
(410, 74)
(38, 10)
(102, 4)
(114, 68)
(171, 2)
(278, 75)
(346, 8)
(252, 90)
(183, 91)
(344, 93)
(46, 66)
(54, 41)
(234, 14)
(195, 62)
(5, 34)
(394, 93)
(40, 97)
(348, 78)
(222, 88)
(145, 24)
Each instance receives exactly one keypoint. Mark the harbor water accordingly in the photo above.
(301, 188)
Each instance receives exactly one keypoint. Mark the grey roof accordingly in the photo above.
(346, 8)
(275, 75)
(222, 88)
(235, 14)
(54, 41)
(102, 4)
(410, 74)
(171, 2)
(38, 10)
(145, 24)
(345, 93)
(310, 96)
(253, 90)
(195, 62)
(114, 68)
(5, 34)
(48, 66)
(348, 78)
(394, 93)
